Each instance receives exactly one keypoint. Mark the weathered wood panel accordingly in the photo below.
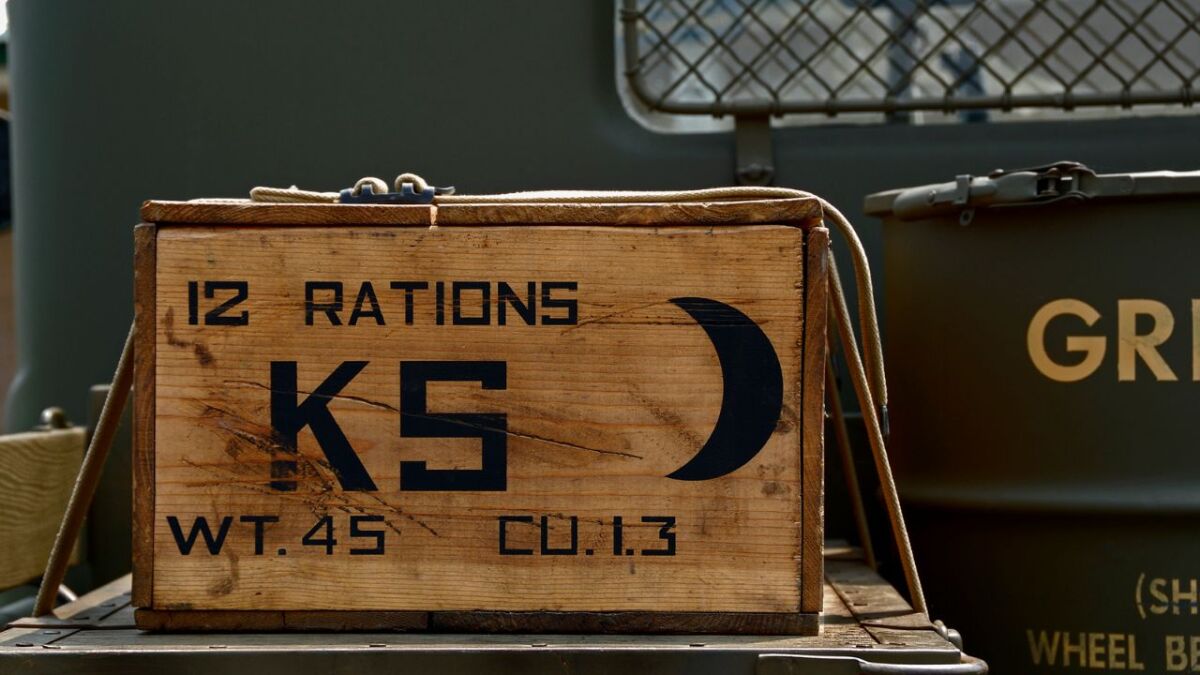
(241, 212)
(37, 473)
(597, 453)
(812, 405)
(145, 272)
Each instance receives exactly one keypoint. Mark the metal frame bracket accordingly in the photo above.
(755, 158)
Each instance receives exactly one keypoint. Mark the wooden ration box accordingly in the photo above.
(496, 417)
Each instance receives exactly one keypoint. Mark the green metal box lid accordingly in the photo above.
(1036, 185)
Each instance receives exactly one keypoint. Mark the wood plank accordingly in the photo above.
(683, 623)
(840, 549)
(98, 605)
(877, 607)
(237, 212)
(598, 410)
(145, 239)
(88, 611)
(840, 629)
(294, 620)
(838, 625)
(812, 405)
(867, 595)
(798, 211)
(698, 623)
(37, 473)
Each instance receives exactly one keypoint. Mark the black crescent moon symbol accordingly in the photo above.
(753, 390)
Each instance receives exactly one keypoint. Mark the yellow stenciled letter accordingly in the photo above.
(1131, 345)
(1093, 346)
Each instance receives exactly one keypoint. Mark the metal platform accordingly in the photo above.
(867, 627)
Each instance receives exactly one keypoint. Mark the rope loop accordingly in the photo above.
(418, 183)
(377, 185)
(291, 195)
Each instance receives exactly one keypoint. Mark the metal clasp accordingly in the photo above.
(407, 194)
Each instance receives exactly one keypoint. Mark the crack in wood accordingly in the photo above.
(345, 397)
(315, 500)
(610, 315)
(481, 427)
(317, 506)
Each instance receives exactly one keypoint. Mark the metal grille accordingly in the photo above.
(755, 57)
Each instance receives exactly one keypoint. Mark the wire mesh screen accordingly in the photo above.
(841, 56)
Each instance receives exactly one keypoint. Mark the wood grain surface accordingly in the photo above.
(812, 490)
(798, 211)
(37, 473)
(145, 238)
(596, 411)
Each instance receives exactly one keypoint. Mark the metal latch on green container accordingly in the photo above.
(1025, 187)
(1063, 180)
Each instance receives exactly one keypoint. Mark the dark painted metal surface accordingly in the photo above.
(1073, 503)
(108, 537)
(533, 657)
(119, 101)
(126, 101)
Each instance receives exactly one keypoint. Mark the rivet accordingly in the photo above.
(54, 418)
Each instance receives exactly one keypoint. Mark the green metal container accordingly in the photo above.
(1043, 343)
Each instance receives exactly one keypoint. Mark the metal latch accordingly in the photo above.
(1034, 185)
(406, 194)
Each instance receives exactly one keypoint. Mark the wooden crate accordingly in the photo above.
(480, 417)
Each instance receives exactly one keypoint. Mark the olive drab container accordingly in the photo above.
(490, 417)
(1043, 338)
